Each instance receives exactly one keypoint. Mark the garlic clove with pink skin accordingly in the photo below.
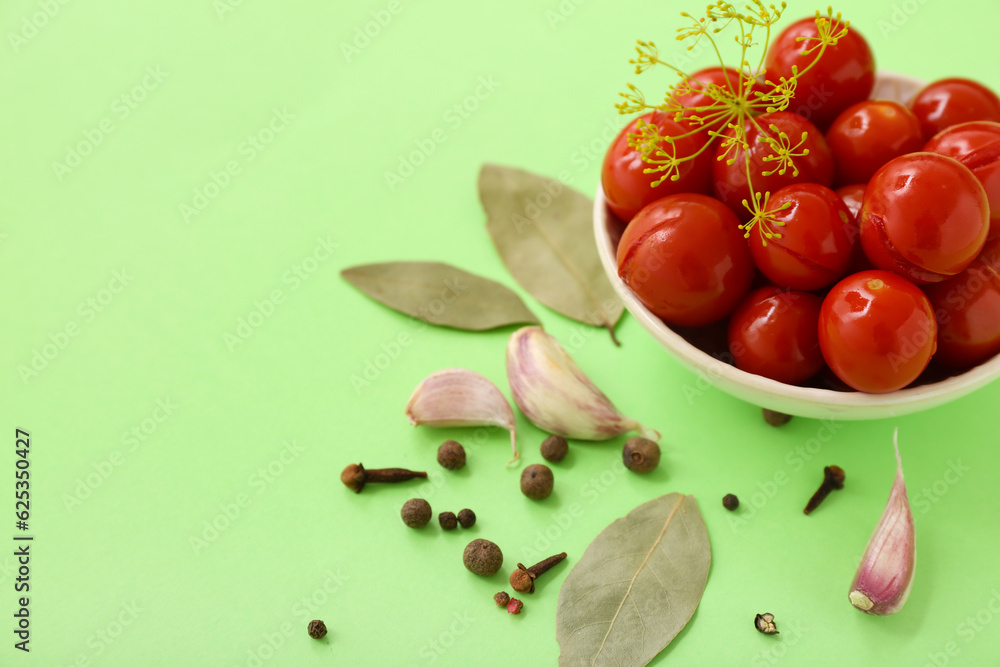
(460, 397)
(884, 578)
(556, 396)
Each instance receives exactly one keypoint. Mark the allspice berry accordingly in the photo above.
(467, 518)
(775, 418)
(501, 599)
(482, 557)
(641, 455)
(451, 455)
(554, 448)
(730, 501)
(448, 520)
(536, 481)
(416, 512)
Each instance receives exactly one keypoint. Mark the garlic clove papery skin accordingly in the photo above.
(460, 397)
(556, 396)
(884, 579)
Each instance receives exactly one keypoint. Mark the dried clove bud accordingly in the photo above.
(765, 623)
(884, 577)
(556, 396)
(460, 397)
(354, 476)
(833, 479)
(523, 578)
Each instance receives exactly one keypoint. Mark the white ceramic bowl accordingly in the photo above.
(794, 400)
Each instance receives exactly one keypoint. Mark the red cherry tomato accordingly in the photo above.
(773, 332)
(844, 75)
(626, 185)
(727, 79)
(977, 146)
(685, 258)
(967, 308)
(730, 180)
(924, 216)
(877, 331)
(868, 134)
(814, 246)
(947, 102)
(852, 196)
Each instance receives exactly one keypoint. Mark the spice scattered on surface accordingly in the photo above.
(501, 599)
(482, 557)
(765, 623)
(354, 476)
(448, 520)
(514, 606)
(554, 448)
(416, 512)
(833, 479)
(317, 629)
(641, 455)
(467, 518)
(451, 455)
(730, 501)
(537, 481)
(523, 578)
(884, 577)
(775, 418)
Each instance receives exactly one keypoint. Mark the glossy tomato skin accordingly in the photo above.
(730, 181)
(815, 246)
(977, 146)
(686, 260)
(868, 134)
(967, 308)
(877, 331)
(626, 186)
(774, 333)
(843, 76)
(924, 216)
(852, 195)
(947, 102)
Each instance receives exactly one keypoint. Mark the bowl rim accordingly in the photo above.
(696, 359)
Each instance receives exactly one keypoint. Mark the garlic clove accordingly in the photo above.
(460, 397)
(556, 396)
(885, 576)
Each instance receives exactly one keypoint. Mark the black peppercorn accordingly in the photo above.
(730, 501)
(317, 629)
(451, 455)
(467, 518)
(416, 512)
(775, 418)
(536, 481)
(501, 599)
(448, 520)
(641, 455)
(554, 448)
(482, 557)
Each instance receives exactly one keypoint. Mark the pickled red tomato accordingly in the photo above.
(852, 196)
(967, 308)
(977, 146)
(686, 260)
(947, 102)
(877, 331)
(868, 134)
(843, 76)
(626, 185)
(924, 216)
(730, 180)
(815, 245)
(773, 333)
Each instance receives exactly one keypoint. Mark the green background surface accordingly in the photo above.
(185, 500)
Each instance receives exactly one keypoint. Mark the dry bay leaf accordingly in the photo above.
(440, 294)
(542, 230)
(636, 586)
